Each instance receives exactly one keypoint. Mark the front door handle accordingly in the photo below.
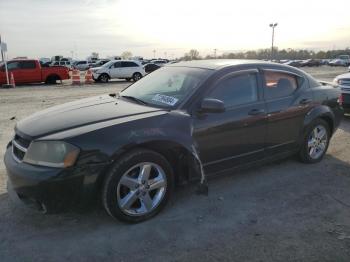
(255, 112)
(305, 101)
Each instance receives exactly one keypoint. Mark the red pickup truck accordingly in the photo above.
(30, 71)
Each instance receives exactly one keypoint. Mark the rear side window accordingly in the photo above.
(237, 90)
(129, 64)
(279, 84)
(27, 64)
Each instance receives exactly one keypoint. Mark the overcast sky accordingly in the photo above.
(43, 28)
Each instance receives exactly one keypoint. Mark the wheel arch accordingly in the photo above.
(322, 112)
(179, 156)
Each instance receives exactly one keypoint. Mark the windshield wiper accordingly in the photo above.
(135, 99)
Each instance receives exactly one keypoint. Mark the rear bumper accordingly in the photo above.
(346, 102)
(55, 189)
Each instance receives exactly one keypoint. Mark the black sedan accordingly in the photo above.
(183, 122)
(150, 67)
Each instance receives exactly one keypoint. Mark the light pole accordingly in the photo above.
(273, 36)
(154, 53)
(215, 53)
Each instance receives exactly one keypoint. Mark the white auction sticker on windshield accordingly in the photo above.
(169, 100)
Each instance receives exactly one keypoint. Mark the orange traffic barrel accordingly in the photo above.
(88, 77)
(75, 77)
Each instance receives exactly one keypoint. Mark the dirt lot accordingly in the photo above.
(285, 211)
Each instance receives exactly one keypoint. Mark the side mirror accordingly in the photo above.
(211, 105)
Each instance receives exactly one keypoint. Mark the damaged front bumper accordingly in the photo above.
(51, 189)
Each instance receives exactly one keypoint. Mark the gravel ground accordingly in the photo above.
(284, 211)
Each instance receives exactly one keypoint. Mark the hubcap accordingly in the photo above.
(141, 189)
(317, 142)
(137, 77)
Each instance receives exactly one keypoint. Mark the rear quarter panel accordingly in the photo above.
(61, 71)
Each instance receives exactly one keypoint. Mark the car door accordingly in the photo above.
(14, 68)
(29, 72)
(237, 135)
(129, 68)
(288, 99)
(115, 70)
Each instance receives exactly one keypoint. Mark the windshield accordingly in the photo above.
(166, 87)
(108, 64)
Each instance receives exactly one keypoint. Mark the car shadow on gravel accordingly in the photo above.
(300, 210)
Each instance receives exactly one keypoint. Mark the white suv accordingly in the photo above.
(122, 69)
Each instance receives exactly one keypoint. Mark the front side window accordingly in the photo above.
(168, 86)
(279, 84)
(13, 65)
(117, 65)
(237, 90)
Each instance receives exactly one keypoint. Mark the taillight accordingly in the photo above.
(341, 99)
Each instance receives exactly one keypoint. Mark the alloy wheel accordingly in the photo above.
(317, 142)
(141, 189)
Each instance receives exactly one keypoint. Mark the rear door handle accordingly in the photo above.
(305, 101)
(255, 112)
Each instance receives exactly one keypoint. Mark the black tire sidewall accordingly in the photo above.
(101, 76)
(134, 76)
(109, 192)
(304, 154)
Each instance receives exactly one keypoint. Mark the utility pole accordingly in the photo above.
(215, 53)
(273, 25)
(4, 60)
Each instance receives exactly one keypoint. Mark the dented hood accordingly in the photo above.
(79, 113)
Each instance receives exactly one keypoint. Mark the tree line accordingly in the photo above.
(263, 54)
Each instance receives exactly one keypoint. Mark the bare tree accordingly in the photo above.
(126, 55)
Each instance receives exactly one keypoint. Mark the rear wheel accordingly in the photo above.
(315, 142)
(104, 78)
(138, 186)
(52, 79)
(136, 76)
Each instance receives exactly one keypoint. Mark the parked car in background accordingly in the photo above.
(310, 62)
(81, 65)
(118, 69)
(99, 63)
(342, 60)
(30, 71)
(343, 81)
(150, 67)
(67, 64)
(130, 149)
(294, 63)
(159, 62)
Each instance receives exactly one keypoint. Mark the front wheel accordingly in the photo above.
(138, 186)
(104, 78)
(136, 76)
(315, 142)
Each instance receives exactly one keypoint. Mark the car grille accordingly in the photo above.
(19, 147)
(345, 82)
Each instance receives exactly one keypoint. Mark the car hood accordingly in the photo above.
(79, 113)
(346, 75)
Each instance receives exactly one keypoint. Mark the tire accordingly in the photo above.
(126, 198)
(136, 76)
(104, 78)
(318, 142)
(52, 80)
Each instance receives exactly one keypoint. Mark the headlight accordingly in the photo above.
(51, 153)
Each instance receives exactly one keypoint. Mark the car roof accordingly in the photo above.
(217, 64)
